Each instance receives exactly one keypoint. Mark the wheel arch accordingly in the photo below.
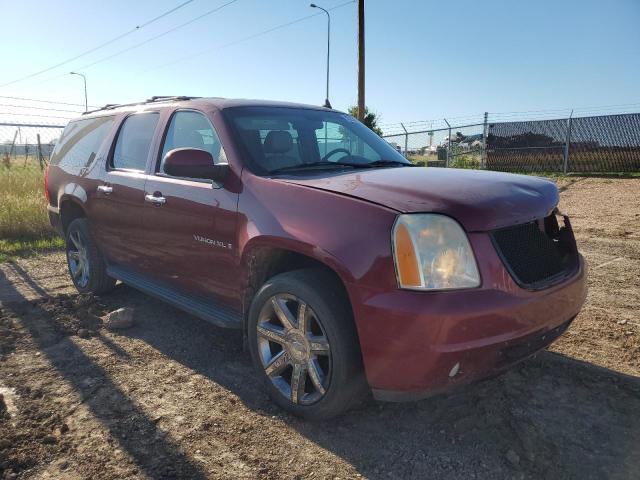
(266, 257)
(70, 208)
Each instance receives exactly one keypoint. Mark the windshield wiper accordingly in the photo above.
(384, 163)
(302, 166)
(377, 163)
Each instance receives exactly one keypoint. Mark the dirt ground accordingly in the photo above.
(174, 397)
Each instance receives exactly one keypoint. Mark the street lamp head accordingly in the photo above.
(313, 5)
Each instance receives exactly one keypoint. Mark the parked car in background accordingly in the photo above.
(348, 269)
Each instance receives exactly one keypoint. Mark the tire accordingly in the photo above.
(86, 264)
(327, 356)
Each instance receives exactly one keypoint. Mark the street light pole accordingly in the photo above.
(313, 5)
(361, 102)
(86, 103)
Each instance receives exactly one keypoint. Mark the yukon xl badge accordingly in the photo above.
(213, 243)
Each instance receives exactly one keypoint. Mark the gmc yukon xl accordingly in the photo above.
(348, 269)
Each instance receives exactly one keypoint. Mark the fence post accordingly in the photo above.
(40, 157)
(448, 144)
(483, 161)
(567, 141)
(406, 140)
(12, 149)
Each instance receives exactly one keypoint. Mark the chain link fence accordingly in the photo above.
(605, 143)
(24, 144)
(593, 144)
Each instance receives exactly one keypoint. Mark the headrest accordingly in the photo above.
(278, 141)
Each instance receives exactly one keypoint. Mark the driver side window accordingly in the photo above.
(190, 129)
(333, 137)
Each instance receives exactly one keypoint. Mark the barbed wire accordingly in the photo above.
(493, 117)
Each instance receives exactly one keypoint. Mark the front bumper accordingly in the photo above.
(415, 344)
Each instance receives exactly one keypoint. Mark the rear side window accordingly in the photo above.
(134, 141)
(80, 142)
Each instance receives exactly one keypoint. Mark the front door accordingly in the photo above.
(117, 205)
(191, 224)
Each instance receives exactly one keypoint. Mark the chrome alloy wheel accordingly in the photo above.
(294, 349)
(77, 256)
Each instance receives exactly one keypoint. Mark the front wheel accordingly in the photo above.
(304, 344)
(86, 264)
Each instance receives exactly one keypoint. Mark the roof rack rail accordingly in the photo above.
(154, 99)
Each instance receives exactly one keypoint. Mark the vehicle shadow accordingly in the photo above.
(94, 386)
(552, 416)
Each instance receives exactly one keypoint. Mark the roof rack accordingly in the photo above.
(154, 99)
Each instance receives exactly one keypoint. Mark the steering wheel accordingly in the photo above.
(333, 152)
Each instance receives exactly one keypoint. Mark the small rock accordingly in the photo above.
(63, 465)
(83, 333)
(513, 458)
(622, 322)
(120, 318)
(64, 428)
(49, 440)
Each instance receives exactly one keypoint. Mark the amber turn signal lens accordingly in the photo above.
(406, 259)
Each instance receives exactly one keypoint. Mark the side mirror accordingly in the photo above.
(193, 163)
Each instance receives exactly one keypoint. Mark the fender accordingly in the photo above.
(294, 245)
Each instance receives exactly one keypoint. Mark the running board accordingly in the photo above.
(213, 312)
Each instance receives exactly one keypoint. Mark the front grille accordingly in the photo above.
(537, 254)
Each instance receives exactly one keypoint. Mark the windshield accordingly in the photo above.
(278, 138)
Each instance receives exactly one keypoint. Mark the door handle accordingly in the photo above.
(155, 200)
(106, 189)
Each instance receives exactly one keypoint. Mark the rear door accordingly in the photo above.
(117, 206)
(191, 234)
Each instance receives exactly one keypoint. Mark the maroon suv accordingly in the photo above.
(347, 268)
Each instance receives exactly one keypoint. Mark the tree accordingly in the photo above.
(370, 118)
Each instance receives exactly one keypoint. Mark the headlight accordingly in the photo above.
(432, 252)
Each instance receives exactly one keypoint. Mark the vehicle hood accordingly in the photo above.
(479, 200)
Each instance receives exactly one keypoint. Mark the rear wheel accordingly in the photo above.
(304, 345)
(86, 264)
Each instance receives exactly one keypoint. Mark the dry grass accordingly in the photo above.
(24, 224)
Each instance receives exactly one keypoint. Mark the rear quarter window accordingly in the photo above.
(80, 143)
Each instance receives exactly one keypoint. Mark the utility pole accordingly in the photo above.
(361, 103)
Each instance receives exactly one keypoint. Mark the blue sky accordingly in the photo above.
(425, 59)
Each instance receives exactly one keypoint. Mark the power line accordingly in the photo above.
(45, 101)
(250, 37)
(33, 115)
(39, 108)
(109, 57)
(108, 42)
